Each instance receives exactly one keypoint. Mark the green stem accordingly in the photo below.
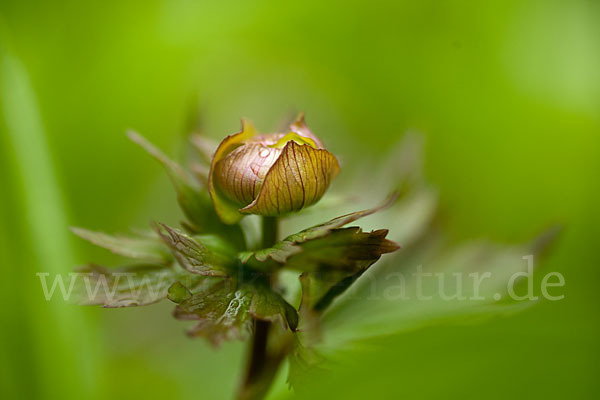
(270, 228)
(262, 366)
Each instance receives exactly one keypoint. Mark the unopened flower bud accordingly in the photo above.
(270, 174)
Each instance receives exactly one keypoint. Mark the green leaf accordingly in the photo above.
(226, 309)
(128, 286)
(390, 298)
(303, 359)
(222, 312)
(335, 261)
(386, 299)
(269, 306)
(192, 198)
(178, 293)
(289, 246)
(206, 255)
(205, 147)
(303, 362)
(309, 327)
(334, 257)
(147, 249)
(349, 250)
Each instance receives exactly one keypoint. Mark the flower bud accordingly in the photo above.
(270, 174)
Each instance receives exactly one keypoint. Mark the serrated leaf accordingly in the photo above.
(222, 312)
(334, 257)
(349, 250)
(289, 246)
(146, 249)
(335, 261)
(226, 309)
(206, 255)
(128, 286)
(194, 200)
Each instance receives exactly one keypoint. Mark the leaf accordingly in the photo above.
(129, 286)
(204, 146)
(386, 299)
(222, 312)
(226, 309)
(205, 255)
(193, 200)
(396, 296)
(335, 261)
(289, 246)
(349, 250)
(309, 327)
(303, 359)
(269, 306)
(331, 264)
(147, 249)
(334, 257)
(178, 292)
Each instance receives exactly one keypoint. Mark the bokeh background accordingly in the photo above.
(507, 94)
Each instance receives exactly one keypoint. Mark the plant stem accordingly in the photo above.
(261, 368)
(270, 228)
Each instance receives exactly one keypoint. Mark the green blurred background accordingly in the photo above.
(506, 92)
